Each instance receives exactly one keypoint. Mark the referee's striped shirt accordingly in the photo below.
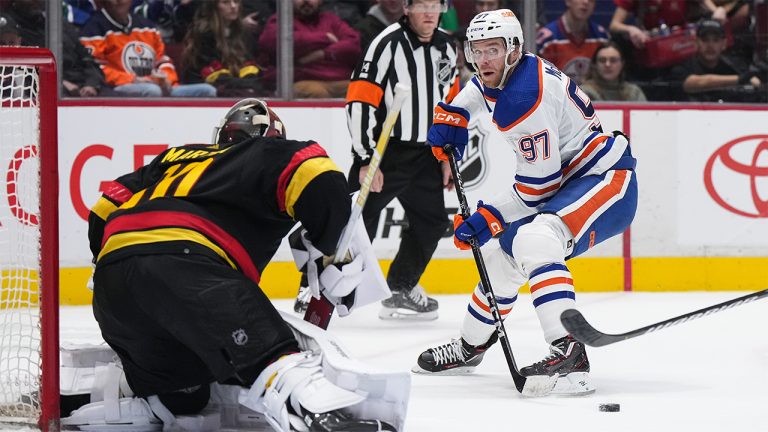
(397, 55)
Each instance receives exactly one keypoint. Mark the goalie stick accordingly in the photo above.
(320, 310)
(577, 325)
(527, 386)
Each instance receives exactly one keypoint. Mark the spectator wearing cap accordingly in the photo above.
(709, 76)
(9, 31)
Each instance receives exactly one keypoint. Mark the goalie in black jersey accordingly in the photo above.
(180, 245)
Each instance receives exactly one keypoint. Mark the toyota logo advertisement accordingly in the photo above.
(736, 176)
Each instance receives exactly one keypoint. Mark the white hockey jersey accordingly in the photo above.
(552, 126)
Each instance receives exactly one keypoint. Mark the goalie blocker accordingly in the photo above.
(319, 388)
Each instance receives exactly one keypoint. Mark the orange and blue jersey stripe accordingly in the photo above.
(583, 212)
(478, 307)
(596, 146)
(536, 190)
(551, 282)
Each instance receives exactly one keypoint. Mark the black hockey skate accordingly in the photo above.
(334, 421)
(409, 305)
(567, 358)
(454, 358)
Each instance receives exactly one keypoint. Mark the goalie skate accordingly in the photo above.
(412, 305)
(568, 359)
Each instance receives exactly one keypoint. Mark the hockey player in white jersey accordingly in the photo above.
(574, 187)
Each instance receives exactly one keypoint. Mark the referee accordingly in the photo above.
(411, 51)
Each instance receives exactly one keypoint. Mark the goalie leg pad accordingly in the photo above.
(129, 414)
(134, 414)
(384, 393)
(296, 379)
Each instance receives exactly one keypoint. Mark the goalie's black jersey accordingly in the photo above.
(236, 202)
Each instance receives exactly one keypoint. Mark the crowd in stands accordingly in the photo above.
(617, 50)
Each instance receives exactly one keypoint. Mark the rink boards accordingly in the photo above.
(702, 171)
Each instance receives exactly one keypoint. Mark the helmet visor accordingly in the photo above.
(477, 55)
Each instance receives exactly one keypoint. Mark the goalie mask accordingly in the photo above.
(246, 119)
(501, 24)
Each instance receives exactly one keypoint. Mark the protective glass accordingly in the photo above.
(475, 55)
(428, 7)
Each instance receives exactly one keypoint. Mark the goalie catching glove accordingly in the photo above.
(482, 225)
(449, 126)
(356, 282)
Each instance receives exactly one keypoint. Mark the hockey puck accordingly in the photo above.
(609, 407)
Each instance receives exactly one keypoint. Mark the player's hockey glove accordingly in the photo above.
(449, 126)
(483, 224)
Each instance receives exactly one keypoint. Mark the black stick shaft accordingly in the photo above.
(485, 281)
(577, 325)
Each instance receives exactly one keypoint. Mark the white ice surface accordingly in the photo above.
(710, 374)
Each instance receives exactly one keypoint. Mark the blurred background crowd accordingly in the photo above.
(618, 50)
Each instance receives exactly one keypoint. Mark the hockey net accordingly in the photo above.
(29, 371)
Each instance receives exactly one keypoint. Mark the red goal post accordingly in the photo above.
(29, 246)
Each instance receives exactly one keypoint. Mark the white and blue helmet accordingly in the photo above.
(500, 23)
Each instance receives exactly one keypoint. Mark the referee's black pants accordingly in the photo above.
(413, 176)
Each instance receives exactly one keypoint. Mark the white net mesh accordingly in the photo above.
(20, 369)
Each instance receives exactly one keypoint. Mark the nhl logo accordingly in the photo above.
(240, 337)
(444, 71)
(474, 166)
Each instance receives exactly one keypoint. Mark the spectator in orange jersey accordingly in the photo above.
(217, 51)
(570, 41)
(325, 48)
(132, 54)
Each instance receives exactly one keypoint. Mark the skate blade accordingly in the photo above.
(539, 385)
(399, 314)
(462, 370)
(574, 384)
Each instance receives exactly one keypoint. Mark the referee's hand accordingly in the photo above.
(378, 179)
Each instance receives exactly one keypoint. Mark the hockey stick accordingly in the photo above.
(528, 386)
(577, 325)
(320, 310)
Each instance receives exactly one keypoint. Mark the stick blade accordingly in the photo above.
(539, 385)
(577, 325)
